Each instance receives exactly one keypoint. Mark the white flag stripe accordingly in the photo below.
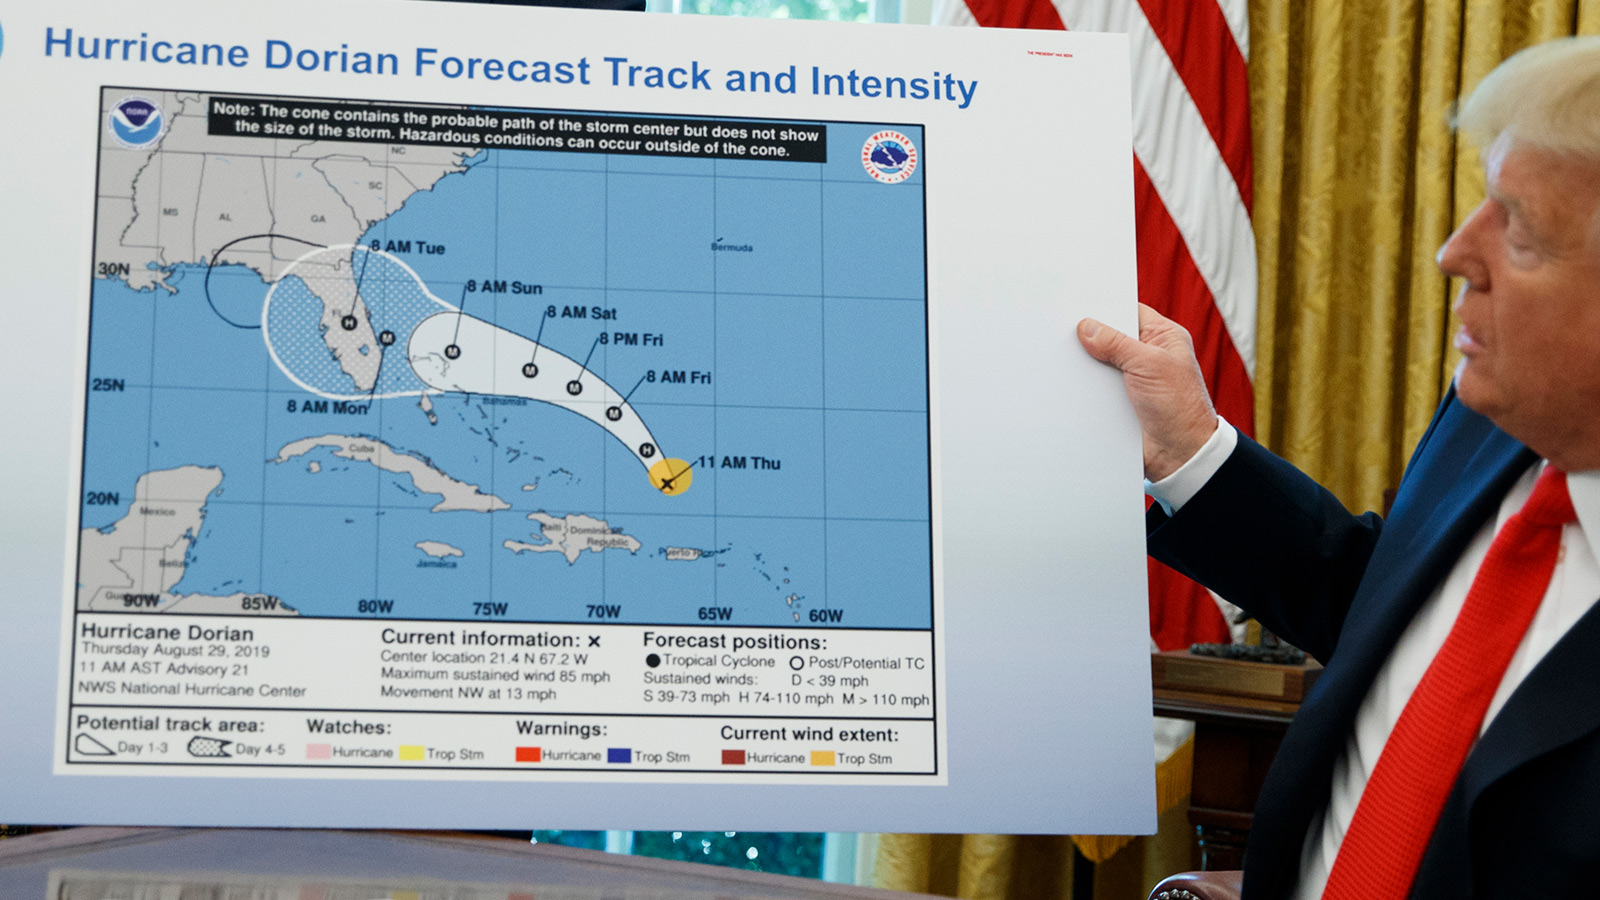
(1237, 12)
(953, 12)
(1185, 165)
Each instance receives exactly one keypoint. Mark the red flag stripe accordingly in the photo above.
(1016, 14)
(1182, 612)
(1185, 165)
(1202, 49)
(1170, 282)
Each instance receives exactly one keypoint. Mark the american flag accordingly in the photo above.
(1192, 196)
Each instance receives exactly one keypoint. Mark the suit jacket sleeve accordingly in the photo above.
(1265, 536)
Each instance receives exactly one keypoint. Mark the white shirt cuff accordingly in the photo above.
(1173, 491)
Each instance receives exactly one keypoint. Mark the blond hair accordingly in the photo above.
(1547, 96)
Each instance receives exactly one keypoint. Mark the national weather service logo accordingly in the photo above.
(889, 157)
(136, 122)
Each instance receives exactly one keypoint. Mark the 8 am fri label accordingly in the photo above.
(448, 699)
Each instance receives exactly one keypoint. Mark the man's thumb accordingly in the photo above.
(1104, 342)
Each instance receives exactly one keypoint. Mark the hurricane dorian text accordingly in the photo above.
(863, 82)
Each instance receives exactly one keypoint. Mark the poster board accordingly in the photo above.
(452, 416)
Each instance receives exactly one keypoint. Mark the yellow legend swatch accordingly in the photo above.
(413, 752)
(822, 757)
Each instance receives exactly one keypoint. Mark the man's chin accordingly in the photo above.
(1474, 391)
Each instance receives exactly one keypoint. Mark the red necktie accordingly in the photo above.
(1400, 806)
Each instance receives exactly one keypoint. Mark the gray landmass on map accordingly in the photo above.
(572, 534)
(142, 555)
(195, 195)
(455, 495)
(439, 549)
(132, 565)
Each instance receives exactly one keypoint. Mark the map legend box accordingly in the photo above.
(339, 712)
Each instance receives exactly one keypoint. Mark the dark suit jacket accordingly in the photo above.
(1524, 817)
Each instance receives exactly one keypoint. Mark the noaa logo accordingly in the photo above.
(136, 122)
(889, 157)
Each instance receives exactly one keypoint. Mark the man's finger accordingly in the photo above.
(1108, 344)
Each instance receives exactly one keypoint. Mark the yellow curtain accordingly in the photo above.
(1029, 867)
(1358, 180)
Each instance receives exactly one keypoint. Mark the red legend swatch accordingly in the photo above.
(530, 754)
(733, 757)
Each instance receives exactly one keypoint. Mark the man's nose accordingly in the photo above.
(1461, 255)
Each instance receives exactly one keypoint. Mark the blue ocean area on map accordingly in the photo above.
(792, 376)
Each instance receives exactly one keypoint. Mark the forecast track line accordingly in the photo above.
(212, 264)
(461, 310)
(575, 386)
(457, 353)
(359, 277)
(626, 397)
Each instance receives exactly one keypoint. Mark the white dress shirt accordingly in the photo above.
(1574, 588)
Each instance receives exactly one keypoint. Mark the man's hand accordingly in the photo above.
(1163, 380)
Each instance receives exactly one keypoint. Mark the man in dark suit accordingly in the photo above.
(1452, 746)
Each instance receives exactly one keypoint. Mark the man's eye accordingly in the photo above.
(1522, 253)
(1519, 239)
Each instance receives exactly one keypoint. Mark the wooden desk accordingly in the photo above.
(1240, 711)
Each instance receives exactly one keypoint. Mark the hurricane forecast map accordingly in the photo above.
(406, 380)
(537, 386)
